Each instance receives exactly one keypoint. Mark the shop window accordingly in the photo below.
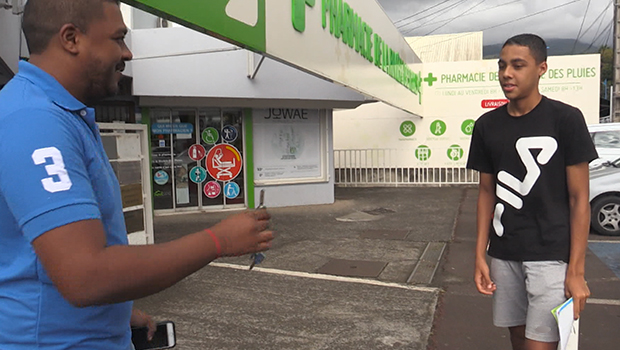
(206, 148)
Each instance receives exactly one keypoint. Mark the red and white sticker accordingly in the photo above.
(493, 103)
(224, 162)
(212, 189)
(196, 152)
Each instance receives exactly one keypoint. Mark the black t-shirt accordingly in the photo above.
(528, 156)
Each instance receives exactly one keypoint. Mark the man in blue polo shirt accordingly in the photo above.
(67, 275)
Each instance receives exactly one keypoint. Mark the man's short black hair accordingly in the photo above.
(44, 18)
(536, 44)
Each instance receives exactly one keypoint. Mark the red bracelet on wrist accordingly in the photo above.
(218, 247)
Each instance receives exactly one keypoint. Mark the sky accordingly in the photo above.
(427, 17)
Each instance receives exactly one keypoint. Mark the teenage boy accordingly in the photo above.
(533, 209)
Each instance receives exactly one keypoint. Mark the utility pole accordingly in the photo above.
(615, 104)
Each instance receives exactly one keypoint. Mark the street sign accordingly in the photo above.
(224, 162)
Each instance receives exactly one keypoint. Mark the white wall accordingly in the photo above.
(10, 29)
(304, 194)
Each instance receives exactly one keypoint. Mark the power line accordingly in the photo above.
(606, 29)
(585, 14)
(600, 23)
(597, 18)
(607, 40)
(420, 12)
(455, 17)
(479, 11)
(502, 24)
(532, 15)
(438, 13)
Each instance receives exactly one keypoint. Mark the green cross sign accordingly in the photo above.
(430, 79)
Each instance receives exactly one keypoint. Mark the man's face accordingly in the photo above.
(518, 72)
(105, 53)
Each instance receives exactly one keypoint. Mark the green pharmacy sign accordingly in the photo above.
(423, 153)
(229, 20)
(467, 127)
(346, 24)
(298, 13)
(438, 127)
(280, 30)
(407, 128)
(455, 152)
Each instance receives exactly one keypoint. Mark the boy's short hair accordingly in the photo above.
(44, 18)
(536, 44)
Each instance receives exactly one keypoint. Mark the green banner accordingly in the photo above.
(213, 17)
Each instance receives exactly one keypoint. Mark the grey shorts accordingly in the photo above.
(525, 295)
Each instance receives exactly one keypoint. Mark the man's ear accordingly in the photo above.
(542, 69)
(69, 36)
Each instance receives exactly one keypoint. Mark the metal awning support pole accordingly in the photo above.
(252, 67)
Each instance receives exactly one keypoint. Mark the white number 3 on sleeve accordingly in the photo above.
(56, 168)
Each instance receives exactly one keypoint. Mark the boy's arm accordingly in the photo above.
(577, 177)
(486, 203)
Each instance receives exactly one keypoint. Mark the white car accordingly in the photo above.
(605, 198)
(606, 138)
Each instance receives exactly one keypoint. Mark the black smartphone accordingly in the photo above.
(164, 337)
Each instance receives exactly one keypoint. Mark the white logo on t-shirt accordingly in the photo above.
(547, 145)
(57, 168)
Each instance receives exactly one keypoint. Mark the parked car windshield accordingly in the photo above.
(606, 139)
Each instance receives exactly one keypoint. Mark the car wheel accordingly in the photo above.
(606, 215)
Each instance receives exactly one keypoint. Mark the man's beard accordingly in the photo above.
(102, 84)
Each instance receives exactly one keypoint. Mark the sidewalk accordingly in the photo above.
(464, 317)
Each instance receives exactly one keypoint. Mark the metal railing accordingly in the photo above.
(380, 167)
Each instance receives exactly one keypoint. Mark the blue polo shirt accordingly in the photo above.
(53, 171)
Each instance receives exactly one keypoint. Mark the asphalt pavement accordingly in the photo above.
(381, 268)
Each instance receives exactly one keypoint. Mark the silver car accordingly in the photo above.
(605, 198)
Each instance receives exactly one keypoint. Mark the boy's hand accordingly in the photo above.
(482, 277)
(576, 287)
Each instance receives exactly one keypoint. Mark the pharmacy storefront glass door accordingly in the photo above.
(197, 159)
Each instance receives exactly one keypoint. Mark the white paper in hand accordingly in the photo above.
(565, 317)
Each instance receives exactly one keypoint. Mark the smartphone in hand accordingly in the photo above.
(164, 337)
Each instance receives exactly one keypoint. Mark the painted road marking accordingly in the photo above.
(323, 277)
(603, 302)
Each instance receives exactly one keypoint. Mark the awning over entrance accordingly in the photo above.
(351, 43)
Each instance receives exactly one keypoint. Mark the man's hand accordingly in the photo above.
(140, 319)
(576, 287)
(244, 233)
(482, 277)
